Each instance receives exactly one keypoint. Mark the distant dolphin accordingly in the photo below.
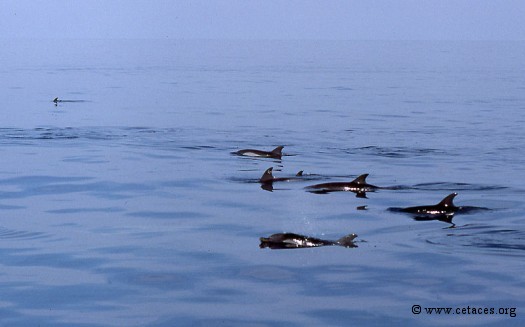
(358, 186)
(294, 241)
(275, 153)
(443, 211)
(57, 100)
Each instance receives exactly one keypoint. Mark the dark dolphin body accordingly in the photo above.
(57, 100)
(443, 211)
(275, 153)
(358, 186)
(446, 206)
(294, 241)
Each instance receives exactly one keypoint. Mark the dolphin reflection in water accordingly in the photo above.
(294, 241)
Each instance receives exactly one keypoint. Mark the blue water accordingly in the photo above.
(128, 208)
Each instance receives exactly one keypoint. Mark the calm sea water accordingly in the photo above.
(128, 208)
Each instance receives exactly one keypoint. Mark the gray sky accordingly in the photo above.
(265, 19)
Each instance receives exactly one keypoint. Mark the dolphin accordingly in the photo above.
(443, 211)
(275, 153)
(294, 241)
(268, 178)
(358, 186)
(445, 206)
(57, 100)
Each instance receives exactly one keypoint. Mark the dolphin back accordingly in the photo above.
(347, 241)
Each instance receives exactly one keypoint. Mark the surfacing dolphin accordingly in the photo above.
(358, 186)
(294, 241)
(443, 211)
(57, 100)
(445, 206)
(275, 153)
(267, 177)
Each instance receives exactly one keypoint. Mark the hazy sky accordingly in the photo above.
(264, 19)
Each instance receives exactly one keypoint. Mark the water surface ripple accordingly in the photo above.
(128, 208)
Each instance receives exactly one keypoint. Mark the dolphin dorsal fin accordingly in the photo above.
(361, 180)
(447, 201)
(267, 176)
(278, 150)
(300, 173)
(347, 240)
